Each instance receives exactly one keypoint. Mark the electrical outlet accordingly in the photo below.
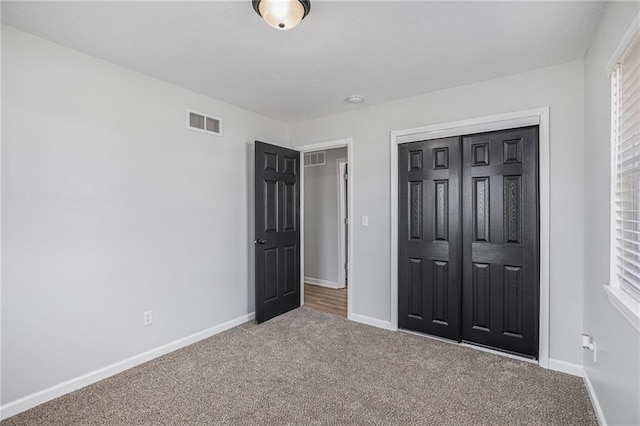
(589, 344)
(365, 220)
(147, 317)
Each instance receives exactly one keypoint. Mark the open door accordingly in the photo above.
(277, 230)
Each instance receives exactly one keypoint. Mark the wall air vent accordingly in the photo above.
(204, 123)
(314, 159)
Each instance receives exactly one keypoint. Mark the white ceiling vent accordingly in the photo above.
(314, 159)
(204, 123)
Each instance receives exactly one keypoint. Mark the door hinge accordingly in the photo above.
(346, 176)
(346, 220)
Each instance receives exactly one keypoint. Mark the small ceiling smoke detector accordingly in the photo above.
(355, 99)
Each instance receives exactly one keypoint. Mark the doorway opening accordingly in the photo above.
(325, 236)
(326, 206)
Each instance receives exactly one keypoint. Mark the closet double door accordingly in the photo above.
(468, 266)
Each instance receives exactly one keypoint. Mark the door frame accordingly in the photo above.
(342, 215)
(532, 117)
(339, 143)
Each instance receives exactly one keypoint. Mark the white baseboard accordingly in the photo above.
(14, 407)
(323, 283)
(594, 400)
(371, 321)
(566, 367)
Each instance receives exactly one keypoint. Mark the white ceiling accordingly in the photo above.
(382, 50)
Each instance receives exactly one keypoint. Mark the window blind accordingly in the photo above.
(625, 129)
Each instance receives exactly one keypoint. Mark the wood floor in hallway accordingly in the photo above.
(331, 300)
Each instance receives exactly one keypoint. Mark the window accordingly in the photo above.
(625, 194)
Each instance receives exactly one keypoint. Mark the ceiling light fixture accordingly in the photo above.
(282, 14)
(355, 99)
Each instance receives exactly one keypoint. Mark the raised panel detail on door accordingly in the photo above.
(429, 237)
(271, 273)
(481, 209)
(500, 285)
(290, 269)
(481, 294)
(512, 209)
(480, 153)
(441, 213)
(416, 282)
(270, 162)
(415, 160)
(513, 301)
(290, 206)
(271, 210)
(290, 165)
(512, 151)
(440, 293)
(415, 210)
(441, 158)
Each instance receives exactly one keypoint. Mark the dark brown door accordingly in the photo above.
(429, 237)
(500, 240)
(277, 230)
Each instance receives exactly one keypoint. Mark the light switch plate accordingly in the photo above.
(147, 317)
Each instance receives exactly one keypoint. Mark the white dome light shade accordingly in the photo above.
(282, 14)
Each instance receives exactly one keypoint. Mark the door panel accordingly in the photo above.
(270, 274)
(277, 224)
(429, 237)
(500, 240)
(481, 296)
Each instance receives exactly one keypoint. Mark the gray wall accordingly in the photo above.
(111, 207)
(321, 255)
(616, 374)
(559, 87)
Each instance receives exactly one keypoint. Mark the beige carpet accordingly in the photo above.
(309, 368)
